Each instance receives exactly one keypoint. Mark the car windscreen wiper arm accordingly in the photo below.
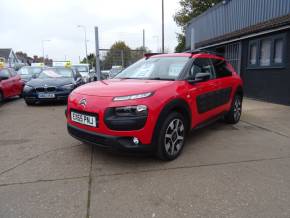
(159, 78)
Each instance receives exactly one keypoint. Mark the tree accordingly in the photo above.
(138, 53)
(23, 57)
(181, 42)
(91, 60)
(190, 9)
(119, 54)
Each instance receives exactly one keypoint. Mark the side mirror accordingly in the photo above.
(34, 76)
(200, 77)
(79, 80)
(3, 78)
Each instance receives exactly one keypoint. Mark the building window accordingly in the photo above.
(267, 52)
(278, 51)
(253, 53)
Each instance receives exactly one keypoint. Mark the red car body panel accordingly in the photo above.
(11, 87)
(99, 96)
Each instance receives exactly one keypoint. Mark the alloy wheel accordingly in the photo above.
(237, 108)
(174, 137)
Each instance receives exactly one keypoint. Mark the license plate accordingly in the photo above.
(46, 95)
(83, 119)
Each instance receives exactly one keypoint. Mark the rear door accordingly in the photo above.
(203, 94)
(7, 84)
(225, 82)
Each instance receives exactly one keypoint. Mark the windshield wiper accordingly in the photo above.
(159, 78)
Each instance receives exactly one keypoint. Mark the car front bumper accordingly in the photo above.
(107, 142)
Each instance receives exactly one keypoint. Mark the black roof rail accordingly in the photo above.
(148, 55)
(199, 51)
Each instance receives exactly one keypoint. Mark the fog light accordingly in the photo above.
(136, 141)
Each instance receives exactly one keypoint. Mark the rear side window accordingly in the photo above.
(221, 68)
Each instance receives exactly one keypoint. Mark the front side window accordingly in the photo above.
(155, 68)
(265, 52)
(201, 65)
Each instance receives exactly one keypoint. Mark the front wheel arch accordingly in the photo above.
(176, 105)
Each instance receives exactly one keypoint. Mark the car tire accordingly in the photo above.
(234, 115)
(29, 102)
(171, 137)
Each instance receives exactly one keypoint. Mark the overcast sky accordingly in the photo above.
(25, 23)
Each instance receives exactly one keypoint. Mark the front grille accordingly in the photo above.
(45, 89)
(40, 89)
(50, 89)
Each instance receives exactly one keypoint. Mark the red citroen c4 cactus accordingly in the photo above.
(153, 104)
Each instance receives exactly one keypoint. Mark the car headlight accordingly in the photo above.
(27, 88)
(138, 110)
(68, 87)
(133, 97)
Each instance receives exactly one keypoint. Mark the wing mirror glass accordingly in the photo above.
(199, 77)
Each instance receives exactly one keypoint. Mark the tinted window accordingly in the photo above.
(4, 73)
(201, 65)
(221, 68)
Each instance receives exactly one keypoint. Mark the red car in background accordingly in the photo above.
(11, 84)
(154, 103)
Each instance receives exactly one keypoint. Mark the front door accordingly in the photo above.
(203, 94)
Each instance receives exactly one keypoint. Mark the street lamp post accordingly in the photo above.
(163, 26)
(42, 44)
(86, 47)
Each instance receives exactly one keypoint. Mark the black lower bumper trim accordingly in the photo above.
(108, 142)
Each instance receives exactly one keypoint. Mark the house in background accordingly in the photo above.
(255, 38)
(10, 57)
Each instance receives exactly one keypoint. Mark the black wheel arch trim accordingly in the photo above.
(175, 105)
(240, 91)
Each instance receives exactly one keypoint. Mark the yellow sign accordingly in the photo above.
(2, 64)
(68, 64)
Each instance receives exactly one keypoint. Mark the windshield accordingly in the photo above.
(30, 70)
(81, 68)
(164, 68)
(56, 73)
